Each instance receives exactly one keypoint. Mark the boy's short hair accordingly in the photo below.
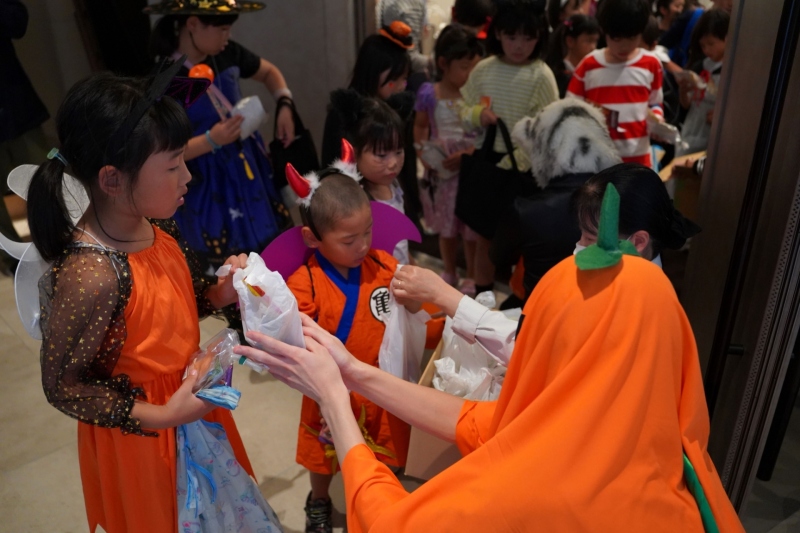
(337, 197)
(713, 22)
(623, 19)
(651, 33)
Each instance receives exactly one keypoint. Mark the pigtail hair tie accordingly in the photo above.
(55, 154)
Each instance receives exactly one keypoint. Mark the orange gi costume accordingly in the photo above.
(353, 310)
(602, 398)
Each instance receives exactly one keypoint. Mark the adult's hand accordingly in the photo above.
(334, 347)
(285, 124)
(311, 371)
(424, 285)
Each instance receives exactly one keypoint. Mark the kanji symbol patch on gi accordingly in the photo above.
(379, 303)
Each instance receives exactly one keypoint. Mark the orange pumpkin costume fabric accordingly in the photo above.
(320, 297)
(129, 481)
(602, 397)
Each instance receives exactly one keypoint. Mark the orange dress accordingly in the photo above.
(353, 312)
(602, 398)
(129, 480)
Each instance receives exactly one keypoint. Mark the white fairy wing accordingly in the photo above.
(31, 265)
(75, 197)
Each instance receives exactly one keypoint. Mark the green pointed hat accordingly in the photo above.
(609, 248)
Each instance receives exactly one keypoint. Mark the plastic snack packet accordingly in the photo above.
(267, 305)
(214, 365)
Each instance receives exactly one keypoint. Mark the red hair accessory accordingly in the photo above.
(303, 186)
(399, 33)
(484, 33)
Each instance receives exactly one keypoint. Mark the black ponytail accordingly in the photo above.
(90, 114)
(51, 227)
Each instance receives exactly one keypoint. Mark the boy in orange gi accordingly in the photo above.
(344, 286)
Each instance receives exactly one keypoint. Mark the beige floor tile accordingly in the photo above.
(44, 495)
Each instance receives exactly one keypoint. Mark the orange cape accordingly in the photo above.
(602, 397)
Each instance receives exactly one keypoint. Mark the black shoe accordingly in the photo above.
(318, 515)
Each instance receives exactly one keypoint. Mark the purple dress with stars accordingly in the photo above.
(229, 210)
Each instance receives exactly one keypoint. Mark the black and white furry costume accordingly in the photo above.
(567, 143)
(567, 137)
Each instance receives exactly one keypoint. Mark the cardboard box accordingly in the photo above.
(429, 455)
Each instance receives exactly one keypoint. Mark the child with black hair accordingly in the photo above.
(559, 11)
(439, 125)
(569, 44)
(380, 156)
(232, 205)
(473, 15)
(513, 83)
(381, 71)
(121, 299)
(622, 79)
(344, 287)
(667, 12)
(699, 85)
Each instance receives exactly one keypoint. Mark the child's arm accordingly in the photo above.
(83, 331)
(474, 113)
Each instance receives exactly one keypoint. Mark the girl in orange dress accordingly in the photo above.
(120, 304)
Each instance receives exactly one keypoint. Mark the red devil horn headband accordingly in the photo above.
(303, 186)
(348, 153)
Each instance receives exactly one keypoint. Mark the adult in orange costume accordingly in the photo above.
(601, 425)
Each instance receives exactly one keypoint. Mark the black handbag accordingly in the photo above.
(486, 191)
(302, 153)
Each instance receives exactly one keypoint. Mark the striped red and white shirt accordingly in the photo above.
(627, 92)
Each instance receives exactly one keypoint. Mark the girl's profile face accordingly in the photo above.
(162, 183)
(582, 45)
(381, 167)
(457, 71)
(517, 47)
(387, 87)
(208, 39)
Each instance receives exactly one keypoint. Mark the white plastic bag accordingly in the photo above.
(467, 370)
(403, 341)
(266, 303)
(253, 112)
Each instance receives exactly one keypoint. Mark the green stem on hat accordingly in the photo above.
(609, 248)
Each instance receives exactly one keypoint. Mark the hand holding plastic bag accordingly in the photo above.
(403, 341)
(266, 303)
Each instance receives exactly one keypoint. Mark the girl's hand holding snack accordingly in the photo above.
(223, 293)
(227, 130)
(184, 407)
(488, 117)
(286, 126)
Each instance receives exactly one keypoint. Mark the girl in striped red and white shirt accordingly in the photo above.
(623, 79)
